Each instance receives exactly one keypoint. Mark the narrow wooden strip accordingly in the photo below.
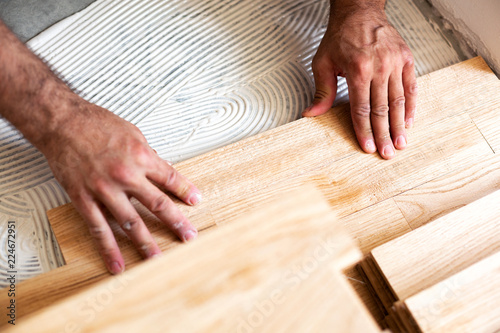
(376, 225)
(380, 288)
(434, 252)
(468, 301)
(472, 181)
(469, 86)
(404, 315)
(75, 239)
(281, 254)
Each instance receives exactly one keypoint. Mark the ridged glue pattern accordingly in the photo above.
(193, 75)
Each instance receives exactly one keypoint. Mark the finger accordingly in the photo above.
(410, 88)
(169, 179)
(102, 234)
(359, 96)
(161, 205)
(325, 80)
(132, 224)
(397, 110)
(380, 117)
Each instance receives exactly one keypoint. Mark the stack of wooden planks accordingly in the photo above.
(444, 276)
(276, 270)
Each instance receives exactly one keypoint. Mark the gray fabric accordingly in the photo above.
(27, 18)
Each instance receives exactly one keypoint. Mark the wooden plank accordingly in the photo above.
(337, 306)
(434, 252)
(376, 225)
(468, 301)
(474, 180)
(469, 87)
(485, 112)
(267, 280)
(321, 151)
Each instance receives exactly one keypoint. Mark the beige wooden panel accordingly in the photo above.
(376, 225)
(425, 203)
(335, 304)
(434, 252)
(484, 111)
(322, 151)
(469, 86)
(281, 262)
(468, 301)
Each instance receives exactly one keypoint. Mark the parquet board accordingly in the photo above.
(274, 260)
(436, 251)
(447, 193)
(468, 301)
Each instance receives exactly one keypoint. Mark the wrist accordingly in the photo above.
(58, 111)
(343, 9)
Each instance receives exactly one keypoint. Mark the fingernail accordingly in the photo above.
(189, 235)
(194, 199)
(400, 141)
(409, 123)
(370, 146)
(115, 267)
(156, 255)
(388, 151)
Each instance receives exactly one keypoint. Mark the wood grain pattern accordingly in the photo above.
(376, 225)
(322, 151)
(447, 193)
(434, 252)
(276, 270)
(468, 301)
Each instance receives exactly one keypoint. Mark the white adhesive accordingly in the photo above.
(193, 75)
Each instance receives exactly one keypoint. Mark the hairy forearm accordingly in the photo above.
(32, 98)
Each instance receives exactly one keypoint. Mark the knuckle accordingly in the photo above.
(171, 178)
(361, 66)
(412, 89)
(160, 204)
(122, 173)
(398, 102)
(98, 232)
(141, 152)
(320, 94)
(398, 128)
(76, 195)
(385, 64)
(131, 223)
(179, 224)
(107, 252)
(361, 110)
(101, 187)
(320, 61)
(407, 56)
(146, 247)
(380, 111)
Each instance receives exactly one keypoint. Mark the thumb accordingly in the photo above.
(326, 91)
